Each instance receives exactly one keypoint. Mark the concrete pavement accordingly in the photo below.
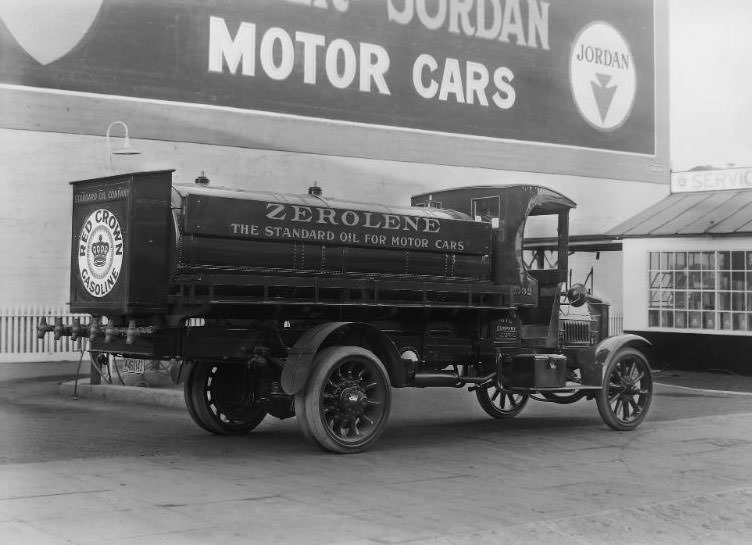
(442, 474)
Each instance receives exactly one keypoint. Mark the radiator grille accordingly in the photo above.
(577, 331)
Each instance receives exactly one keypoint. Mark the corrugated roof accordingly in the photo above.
(682, 214)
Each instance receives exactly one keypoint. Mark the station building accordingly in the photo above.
(372, 101)
(688, 286)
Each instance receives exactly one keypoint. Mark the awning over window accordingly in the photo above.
(686, 214)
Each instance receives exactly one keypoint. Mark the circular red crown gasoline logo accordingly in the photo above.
(100, 252)
(602, 75)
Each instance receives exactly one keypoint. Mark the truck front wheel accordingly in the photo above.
(627, 390)
(222, 398)
(345, 404)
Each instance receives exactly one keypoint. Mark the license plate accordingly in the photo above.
(131, 365)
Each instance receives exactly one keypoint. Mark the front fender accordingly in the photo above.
(606, 349)
(300, 360)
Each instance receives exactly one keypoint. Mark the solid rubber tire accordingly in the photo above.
(602, 399)
(200, 408)
(487, 404)
(308, 403)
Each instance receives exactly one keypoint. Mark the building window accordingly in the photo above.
(701, 290)
(429, 204)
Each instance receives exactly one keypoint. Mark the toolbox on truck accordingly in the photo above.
(538, 371)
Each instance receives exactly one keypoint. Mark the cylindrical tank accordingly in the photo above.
(312, 233)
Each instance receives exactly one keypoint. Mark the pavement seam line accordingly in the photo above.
(11, 498)
(704, 390)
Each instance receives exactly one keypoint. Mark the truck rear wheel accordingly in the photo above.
(222, 398)
(345, 405)
(627, 390)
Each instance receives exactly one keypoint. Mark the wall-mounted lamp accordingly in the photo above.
(125, 149)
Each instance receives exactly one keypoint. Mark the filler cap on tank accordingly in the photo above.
(315, 190)
(202, 179)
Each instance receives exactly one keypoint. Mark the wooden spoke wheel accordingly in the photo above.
(500, 403)
(345, 405)
(627, 390)
(221, 398)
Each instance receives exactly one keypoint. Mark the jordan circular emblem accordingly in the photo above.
(100, 252)
(602, 75)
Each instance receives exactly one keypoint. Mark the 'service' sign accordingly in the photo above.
(711, 180)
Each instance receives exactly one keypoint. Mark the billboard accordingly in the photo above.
(572, 75)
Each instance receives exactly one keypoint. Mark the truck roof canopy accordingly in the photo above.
(534, 200)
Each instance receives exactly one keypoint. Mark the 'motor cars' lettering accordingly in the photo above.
(350, 218)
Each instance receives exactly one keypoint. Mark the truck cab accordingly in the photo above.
(536, 278)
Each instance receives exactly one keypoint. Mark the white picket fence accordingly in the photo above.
(18, 335)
